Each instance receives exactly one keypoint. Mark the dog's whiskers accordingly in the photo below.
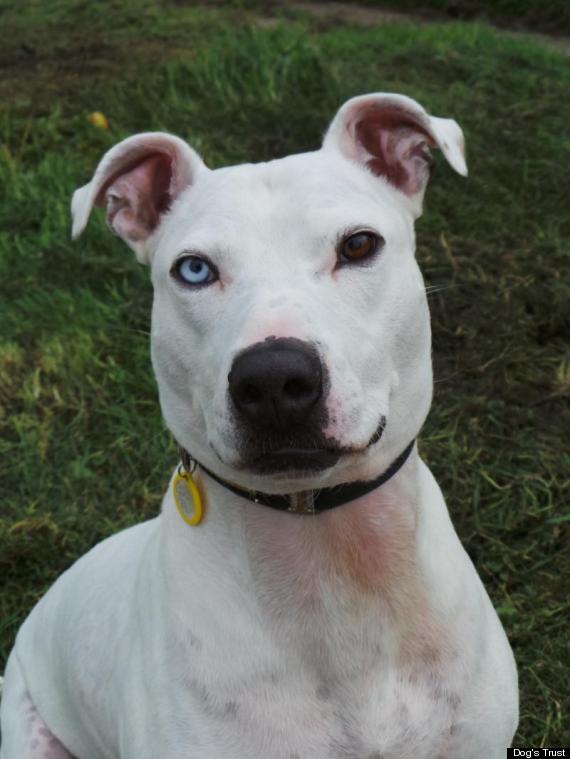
(431, 289)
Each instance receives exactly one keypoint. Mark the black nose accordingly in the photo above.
(277, 383)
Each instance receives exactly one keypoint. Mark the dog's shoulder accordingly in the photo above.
(72, 644)
(105, 576)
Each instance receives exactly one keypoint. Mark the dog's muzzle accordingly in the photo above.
(278, 389)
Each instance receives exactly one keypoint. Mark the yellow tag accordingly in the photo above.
(187, 498)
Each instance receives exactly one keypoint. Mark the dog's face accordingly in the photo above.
(290, 328)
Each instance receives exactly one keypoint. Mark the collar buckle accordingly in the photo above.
(301, 503)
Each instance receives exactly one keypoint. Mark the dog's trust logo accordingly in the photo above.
(529, 753)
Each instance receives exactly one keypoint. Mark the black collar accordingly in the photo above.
(308, 501)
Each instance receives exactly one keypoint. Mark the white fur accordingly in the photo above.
(360, 632)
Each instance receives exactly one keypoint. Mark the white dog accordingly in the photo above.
(303, 593)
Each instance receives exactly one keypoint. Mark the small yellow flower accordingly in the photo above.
(98, 120)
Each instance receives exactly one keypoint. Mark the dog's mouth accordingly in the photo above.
(305, 458)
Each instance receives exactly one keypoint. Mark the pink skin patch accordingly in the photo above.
(364, 551)
(273, 329)
(334, 415)
(368, 543)
(371, 548)
(43, 743)
(365, 546)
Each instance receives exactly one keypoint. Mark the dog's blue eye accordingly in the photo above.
(195, 271)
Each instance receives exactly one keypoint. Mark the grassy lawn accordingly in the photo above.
(83, 450)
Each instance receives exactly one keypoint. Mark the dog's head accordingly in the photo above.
(290, 327)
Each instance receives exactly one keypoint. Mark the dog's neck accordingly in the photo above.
(314, 583)
(364, 549)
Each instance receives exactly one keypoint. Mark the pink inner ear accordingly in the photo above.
(137, 195)
(397, 146)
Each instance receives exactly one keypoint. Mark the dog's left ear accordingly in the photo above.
(137, 181)
(391, 135)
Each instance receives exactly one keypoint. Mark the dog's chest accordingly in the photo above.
(300, 713)
(327, 674)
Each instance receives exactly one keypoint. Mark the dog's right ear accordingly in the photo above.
(137, 181)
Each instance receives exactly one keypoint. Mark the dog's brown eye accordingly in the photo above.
(359, 246)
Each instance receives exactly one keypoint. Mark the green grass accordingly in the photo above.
(83, 449)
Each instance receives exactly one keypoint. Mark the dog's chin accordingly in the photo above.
(294, 461)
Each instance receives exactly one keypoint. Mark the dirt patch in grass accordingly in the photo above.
(526, 15)
(365, 15)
